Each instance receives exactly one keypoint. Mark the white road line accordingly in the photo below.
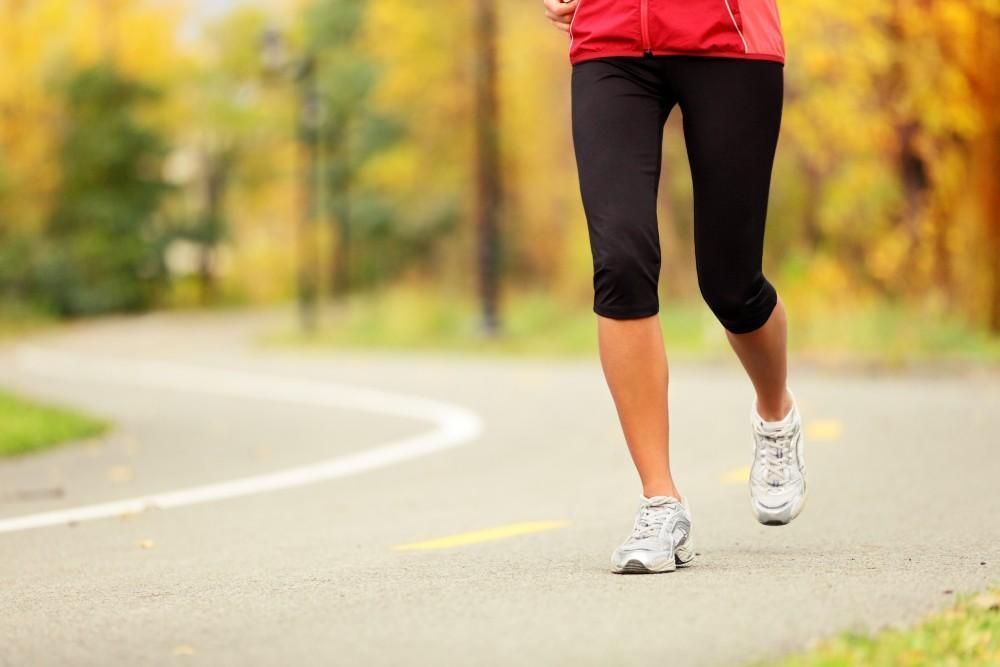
(453, 426)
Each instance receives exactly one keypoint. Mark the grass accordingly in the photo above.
(410, 319)
(26, 426)
(967, 634)
(17, 319)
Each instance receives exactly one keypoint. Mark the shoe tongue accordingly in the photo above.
(657, 501)
(773, 427)
(779, 425)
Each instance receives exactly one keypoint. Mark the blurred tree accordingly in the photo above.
(944, 102)
(421, 54)
(223, 125)
(885, 182)
(985, 48)
(101, 242)
(352, 132)
(42, 41)
(885, 142)
(209, 225)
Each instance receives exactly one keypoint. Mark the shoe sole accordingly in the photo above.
(636, 567)
(766, 520)
(684, 558)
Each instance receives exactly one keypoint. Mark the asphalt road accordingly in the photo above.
(273, 491)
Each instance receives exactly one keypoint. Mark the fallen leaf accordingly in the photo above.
(184, 649)
(146, 544)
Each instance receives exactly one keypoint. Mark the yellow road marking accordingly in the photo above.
(824, 430)
(487, 535)
(737, 476)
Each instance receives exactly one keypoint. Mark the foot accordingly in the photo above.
(660, 539)
(778, 474)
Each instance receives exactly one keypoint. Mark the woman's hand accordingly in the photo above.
(560, 12)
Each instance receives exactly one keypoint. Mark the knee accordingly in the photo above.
(741, 307)
(625, 285)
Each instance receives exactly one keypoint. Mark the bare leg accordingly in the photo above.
(635, 367)
(764, 356)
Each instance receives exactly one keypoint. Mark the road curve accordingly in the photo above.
(485, 554)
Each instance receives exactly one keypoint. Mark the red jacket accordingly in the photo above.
(730, 28)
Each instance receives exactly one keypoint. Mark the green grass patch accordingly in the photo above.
(413, 320)
(967, 634)
(18, 318)
(889, 334)
(536, 324)
(26, 426)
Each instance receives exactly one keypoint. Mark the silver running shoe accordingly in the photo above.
(660, 539)
(778, 473)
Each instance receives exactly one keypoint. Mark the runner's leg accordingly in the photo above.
(732, 115)
(619, 108)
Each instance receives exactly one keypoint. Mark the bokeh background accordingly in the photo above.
(404, 173)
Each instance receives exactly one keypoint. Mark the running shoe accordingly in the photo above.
(660, 539)
(778, 473)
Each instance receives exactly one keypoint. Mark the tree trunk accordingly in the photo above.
(991, 216)
(340, 272)
(216, 181)
(987, 161)
(488, 186)
(309, 175)
(811, 230)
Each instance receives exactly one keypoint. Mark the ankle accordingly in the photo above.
(660, 489)
(775, 409)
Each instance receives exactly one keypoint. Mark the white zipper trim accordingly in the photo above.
(746, 49)
(572, 21)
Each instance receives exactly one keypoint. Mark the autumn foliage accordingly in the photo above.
(885, 186)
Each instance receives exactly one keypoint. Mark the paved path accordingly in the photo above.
(517, 464)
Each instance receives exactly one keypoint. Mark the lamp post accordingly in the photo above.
(302, 71)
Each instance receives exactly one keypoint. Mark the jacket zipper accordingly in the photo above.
(746, 49)
(647, 49)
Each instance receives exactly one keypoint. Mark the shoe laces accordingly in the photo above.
(651, 519)
(778, 454)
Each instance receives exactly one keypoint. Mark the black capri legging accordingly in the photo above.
(732, 114)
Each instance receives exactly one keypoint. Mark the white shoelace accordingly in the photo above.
(651, 519)
(779, 454)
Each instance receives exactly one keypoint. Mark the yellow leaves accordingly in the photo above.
(146, 544)
(41, 40)
(819, 63)
(857, 73)
(146, 42)
(887, 254)
(827, 282)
